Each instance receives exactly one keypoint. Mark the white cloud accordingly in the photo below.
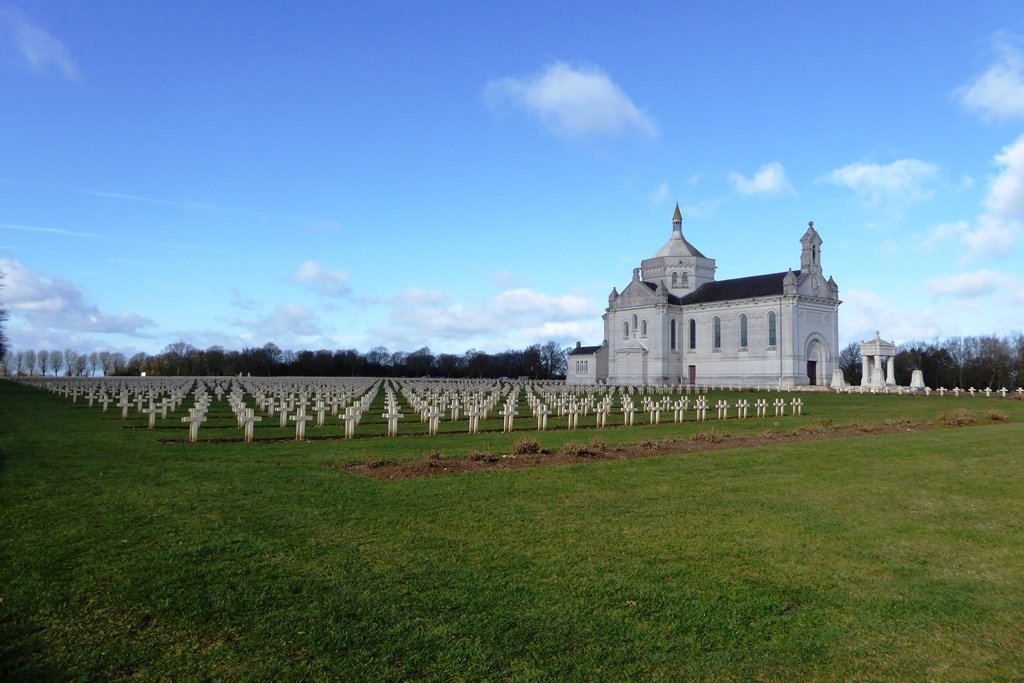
(45, 307)
(865, 311)
(769, 179)
(1006, 193)
(572, 101)
(285, 323)
(991, 236)
(513, 318)
(997, 229)
(903, 180)
(323, 281)
(998, 93)
(974, 285)
(35, 47)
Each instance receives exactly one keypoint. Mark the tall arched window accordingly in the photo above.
(693, 334)
(643, 328)
(686, 279)
(716, 333)
(634, 322)
(743, 330)
(675, 279)
(771, 329)
(625, 330)
(672, 335)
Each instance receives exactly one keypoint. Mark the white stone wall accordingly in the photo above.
(802, 327)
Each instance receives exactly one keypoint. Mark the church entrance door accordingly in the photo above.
(812, 372)
(693, 375)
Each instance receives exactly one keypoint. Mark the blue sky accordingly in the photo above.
(476, 175)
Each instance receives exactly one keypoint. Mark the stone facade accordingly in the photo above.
(675, 324)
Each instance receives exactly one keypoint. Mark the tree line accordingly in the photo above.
(980, 361)
(539, 361)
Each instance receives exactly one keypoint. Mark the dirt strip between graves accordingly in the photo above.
(595, 450)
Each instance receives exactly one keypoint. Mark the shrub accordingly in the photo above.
(524, 446)
(646, 443)
(711, 437)
(598, 445)
(575, 448)
(996, 416)
(482, 456)
(957, 418)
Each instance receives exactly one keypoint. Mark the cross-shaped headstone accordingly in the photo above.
(393, 416)
(196, 416)
(249, 420)
(741, 408)
(542, 417)
(300, 419)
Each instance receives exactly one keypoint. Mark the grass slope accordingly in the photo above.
(897, 555)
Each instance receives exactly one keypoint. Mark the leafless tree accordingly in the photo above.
(56, 361)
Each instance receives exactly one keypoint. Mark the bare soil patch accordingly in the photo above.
(595, 450)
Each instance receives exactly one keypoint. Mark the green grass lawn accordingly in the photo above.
(127, 553)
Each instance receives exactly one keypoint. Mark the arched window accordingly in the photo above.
(743, 330)
(672, 335)
(716, 333)
(693, 334)
(634, 322)
(643, 328)
(686, 279)
(771, 328)
(625, 330)
(675, 279)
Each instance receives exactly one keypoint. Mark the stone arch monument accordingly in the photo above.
(877, 358)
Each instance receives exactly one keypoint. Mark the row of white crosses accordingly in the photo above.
(988, 392)
(297, 400)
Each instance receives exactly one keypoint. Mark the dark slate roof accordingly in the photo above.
(584, 350)
(738, 288)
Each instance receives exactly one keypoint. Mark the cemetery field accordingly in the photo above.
(895, 551)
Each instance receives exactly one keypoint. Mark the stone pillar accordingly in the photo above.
(877, 380)
(865, 371)
(890, 371)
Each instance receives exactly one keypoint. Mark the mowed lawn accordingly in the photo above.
(897, 555)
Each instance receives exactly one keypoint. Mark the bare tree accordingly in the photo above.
(9, 363)
(81, 362)
(30, 362)
(43, 359)
(3, 317)
(117, 362)
(19, 362)
(70, 355)
(105, 362)
(94, 363)
(56, 361)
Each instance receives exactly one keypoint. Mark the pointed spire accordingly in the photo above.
(677, 217)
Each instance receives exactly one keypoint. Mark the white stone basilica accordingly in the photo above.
(675, 324)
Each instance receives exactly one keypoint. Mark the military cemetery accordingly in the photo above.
(511, 342)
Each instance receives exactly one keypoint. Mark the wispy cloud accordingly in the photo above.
(326, 282)
(35, 48)
(973, 285)
(572, 101)
(903, 180)
(770, 179)
(146, 200)
(53, 231)
(998, 93)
